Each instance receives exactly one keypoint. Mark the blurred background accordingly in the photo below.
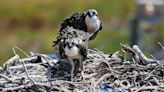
(32, 25)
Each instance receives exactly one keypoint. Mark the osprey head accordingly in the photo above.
(71, 47)
(92, 21)
(92, 12)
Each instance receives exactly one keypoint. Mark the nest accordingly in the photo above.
(103, 73)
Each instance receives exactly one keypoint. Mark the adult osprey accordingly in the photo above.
(74, 46)
(88, 21)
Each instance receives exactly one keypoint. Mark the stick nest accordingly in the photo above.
(103, 72)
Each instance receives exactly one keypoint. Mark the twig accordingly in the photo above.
(11, 60)
(147, 88)
(5, 77)
(102, 78)
(21, 50)
(160, 44)
(141, 55)
(27, 73)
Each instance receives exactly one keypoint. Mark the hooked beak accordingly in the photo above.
(69, 46)
(88, 14)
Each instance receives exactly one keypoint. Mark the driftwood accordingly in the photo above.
(47, 73)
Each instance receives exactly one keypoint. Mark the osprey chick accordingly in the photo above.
(74, 48)
(87, 21)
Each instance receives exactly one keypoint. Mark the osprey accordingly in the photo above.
(74, 48)
(87, 21)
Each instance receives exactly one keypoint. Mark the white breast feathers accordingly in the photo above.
(93, 23)
(72, 52)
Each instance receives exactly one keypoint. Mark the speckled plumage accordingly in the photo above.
(70, 35)
(78, 21)
(72, 38)
(74, 46)
(70, 32)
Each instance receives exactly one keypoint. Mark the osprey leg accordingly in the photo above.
(72, 69)
(82, 70)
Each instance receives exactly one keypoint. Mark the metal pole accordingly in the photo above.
(134, 31)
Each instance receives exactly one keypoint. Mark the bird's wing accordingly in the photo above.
(94, 35)
(84, 46)
(100, 28)
(68, 21)
(61, 50)
(62, 34)
(58, 38)
(83, 51)
(76, 20)
(55, 42)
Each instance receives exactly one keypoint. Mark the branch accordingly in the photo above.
(42, 73)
